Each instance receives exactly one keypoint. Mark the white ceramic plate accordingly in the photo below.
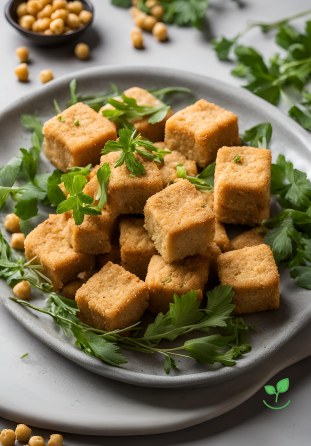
(288, 138)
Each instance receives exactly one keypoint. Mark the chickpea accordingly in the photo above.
(57, 26)
(59, 4)
(82, 51)
(85, 17)
(47, 11)
(22, 431)
(18, 240)
(26, 21)
(48, 32)
(23, 291)
(137, 38)
(7, 437)
(135, 2)
(21, 10)
(46, 76)
(160, 32)
(55, 440)
(135, 11)
(157, 11)
(33, 7)
(76, 7)
(73, 21)
(23, 54)
(59, 14)
(22, 72)
(139, 19)
(41, 25)
(149, 23)
(151, 3)
(45, 2)
(36, 441)
(12, 223)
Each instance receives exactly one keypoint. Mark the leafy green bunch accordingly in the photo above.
(23, 168)
(290, 231)
(276, 78)
(183, 318)
(179, 12)
(129, 142)
(80, 203)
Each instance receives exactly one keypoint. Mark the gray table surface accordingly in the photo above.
(251, 423)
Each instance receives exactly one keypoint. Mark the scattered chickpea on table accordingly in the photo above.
(82, 51)
(12, 223)
(52, 17)
(147, 22)
(23, 434)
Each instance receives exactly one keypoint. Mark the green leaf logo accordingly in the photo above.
(281, 387)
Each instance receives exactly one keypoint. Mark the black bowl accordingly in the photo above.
(42, 39)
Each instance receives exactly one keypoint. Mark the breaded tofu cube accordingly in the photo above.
(166, 279)
(171, 160)
(211, 254)
(242, 189)
(112, 299)
(67, 145)
(137, 248)
(127, 195)
(93, 235)
(153, 132)
(254, 237)
(48, 243)
(178, 222)
(254, 276)
(199, 130)
(221, 238)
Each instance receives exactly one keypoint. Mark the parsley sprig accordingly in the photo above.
(129, 142)
(203, 182)
(278, 77)
(82, 204)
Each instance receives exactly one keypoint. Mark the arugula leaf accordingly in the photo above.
(259, 135)
(223, 47)
(200, 181)
(129, 143)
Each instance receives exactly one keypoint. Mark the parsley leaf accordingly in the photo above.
(185, 12)
(129, 143)
(303, 118)
(10, 171)
(302, 276)
(259, 135)
(223, 47)
(201, 180)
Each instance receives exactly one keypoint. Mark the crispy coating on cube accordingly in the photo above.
(166, 279)
(199, 130)
(48, 243)
(254, 237)
(153, 132)
(242, 189)
(127, 195)
(208, 198)
(221, 238)
(112, 299)
(171, 161)
(211, 254)
(93, 235)
(137, 248)
(178, 222)
(254, 276)
(67, 145)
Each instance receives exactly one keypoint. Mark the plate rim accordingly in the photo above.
(70, 351)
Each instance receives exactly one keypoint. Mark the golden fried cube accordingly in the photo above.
(137, 248)
(171, 161)
(178, 221)
(48, 243)
(112, 299)
(153, 132)
(199, 130)
(211, 254)
(166, 279)
(93, 235)
(254, 276)
(254, 237)
(242, 189)
(67, 145)
(127, 194)
(221, 238)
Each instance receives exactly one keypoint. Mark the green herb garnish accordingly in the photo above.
(129, 143)
(57, 109)
(24, 356)
(204, 182)
(237, 159)
(259, 135)
(76, 122)
(168, 280)
(61, 119)
(80, 203)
